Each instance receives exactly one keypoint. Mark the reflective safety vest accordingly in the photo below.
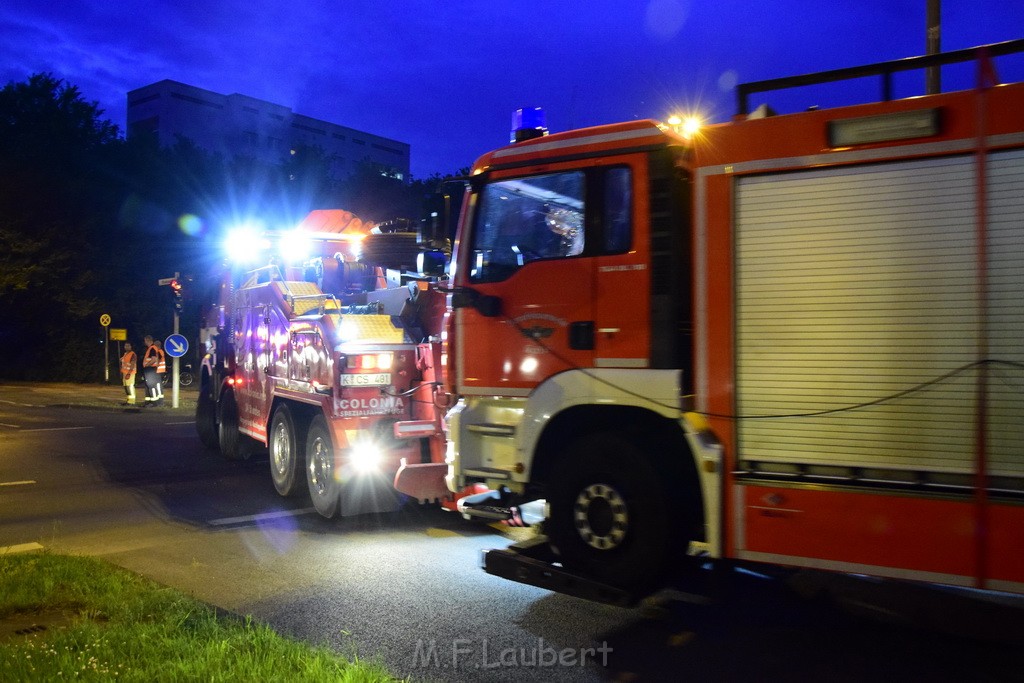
(155, 358)
(128, 363)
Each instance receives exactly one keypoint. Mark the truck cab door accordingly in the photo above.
(527, 268)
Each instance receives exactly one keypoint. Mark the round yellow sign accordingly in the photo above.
(105, 320)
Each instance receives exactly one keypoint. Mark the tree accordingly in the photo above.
(53, 212)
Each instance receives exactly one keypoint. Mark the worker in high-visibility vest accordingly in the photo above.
(161, 366)
(154, 363)
(129, 366)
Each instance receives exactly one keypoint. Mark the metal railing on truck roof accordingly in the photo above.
(884, 70)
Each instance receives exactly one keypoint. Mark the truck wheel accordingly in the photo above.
(232, 445)
(321, 473)
(609, 513)
(287, 455)
(206, 419)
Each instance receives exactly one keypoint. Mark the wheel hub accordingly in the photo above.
(601, 516)
(280, 451)
(320, 467)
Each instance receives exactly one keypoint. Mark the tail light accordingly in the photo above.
(370, 362)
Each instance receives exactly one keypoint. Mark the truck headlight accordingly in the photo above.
(365, 456)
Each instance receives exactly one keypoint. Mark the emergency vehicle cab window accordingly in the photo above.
(546, 217)
(527, 219)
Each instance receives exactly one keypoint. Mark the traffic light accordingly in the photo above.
(176, 293)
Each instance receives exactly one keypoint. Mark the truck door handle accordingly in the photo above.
(581, 335)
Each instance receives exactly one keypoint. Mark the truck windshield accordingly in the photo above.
(526, 219)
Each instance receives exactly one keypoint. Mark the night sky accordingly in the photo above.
(446, 76)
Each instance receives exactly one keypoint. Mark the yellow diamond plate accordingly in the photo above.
(303, 306)
(370, 328)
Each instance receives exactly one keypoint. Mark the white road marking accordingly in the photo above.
(20, 548)
(4, 424)
(55, 429)
(17, 483)
(262, 516)
(16, 403)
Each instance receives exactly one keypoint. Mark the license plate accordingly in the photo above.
(371, 379)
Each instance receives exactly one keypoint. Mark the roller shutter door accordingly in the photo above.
(1006, 314)
(856, 284)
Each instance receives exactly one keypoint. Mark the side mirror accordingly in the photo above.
(431, 262)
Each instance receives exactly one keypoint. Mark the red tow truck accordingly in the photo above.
(330, 355)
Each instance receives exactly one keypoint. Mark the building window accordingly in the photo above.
(310, 129)
(143, 100)
(196, 100)
(384, 148)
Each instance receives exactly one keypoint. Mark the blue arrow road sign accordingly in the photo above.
(176, 345)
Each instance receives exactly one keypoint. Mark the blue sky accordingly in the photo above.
(446, 76)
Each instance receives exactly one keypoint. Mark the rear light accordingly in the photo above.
(414, 429)
(370, 362)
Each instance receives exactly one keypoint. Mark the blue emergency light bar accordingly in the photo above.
(528, 123)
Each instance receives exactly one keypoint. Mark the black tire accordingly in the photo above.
(609, 513)
(390, 249)
(232, 442)
(185, 378)
(322, 469)
(287, 445)
(206, 419)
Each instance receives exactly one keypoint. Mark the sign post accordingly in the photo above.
(175, 346)
(105, 321)
(172, 281)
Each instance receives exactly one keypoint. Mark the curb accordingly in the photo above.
(120, 408)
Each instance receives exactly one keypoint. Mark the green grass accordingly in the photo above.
(121, 626)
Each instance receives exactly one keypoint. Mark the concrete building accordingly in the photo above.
(239, 125)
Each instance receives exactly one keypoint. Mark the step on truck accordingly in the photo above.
(786, 339)
(329, 355)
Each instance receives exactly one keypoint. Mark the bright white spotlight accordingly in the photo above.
(687, 126)
(294, 246)
(365, 456)
(245, 243)
(690, 127)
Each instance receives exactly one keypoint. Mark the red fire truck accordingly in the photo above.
(787, 339)
(330, 356)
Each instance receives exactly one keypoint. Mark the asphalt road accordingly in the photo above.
(80, 474)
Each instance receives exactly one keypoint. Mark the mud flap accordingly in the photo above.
(422, 481)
